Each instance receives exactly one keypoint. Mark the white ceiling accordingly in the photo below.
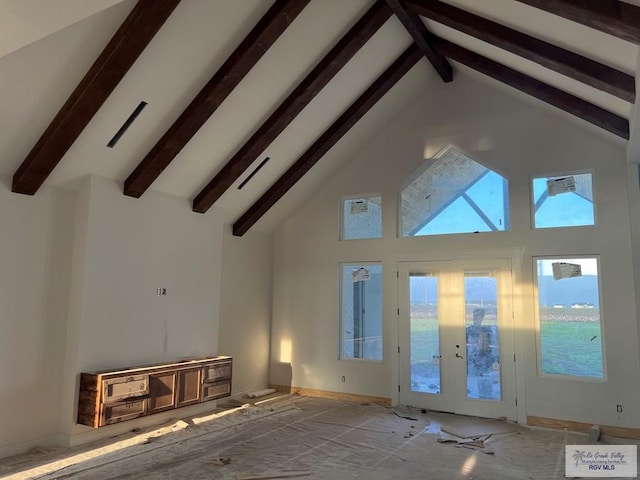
(25, 21)
(44, 55)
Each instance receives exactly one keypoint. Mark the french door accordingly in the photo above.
(456, 337)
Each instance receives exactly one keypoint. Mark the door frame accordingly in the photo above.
(515, 255)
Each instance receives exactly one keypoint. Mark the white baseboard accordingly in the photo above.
(18, 448)
(242, 395)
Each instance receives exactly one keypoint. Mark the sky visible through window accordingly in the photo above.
(569, 209)
(478, 208)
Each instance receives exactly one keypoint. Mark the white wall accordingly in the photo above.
(130, 248)
(518, 140)
(134, 247)
(245, 308)
(78, 279)
(35, 258)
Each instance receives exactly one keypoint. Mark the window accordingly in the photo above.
(455, 194)
(565, 201)
(570, 332)
(362, 217)
(361, 316)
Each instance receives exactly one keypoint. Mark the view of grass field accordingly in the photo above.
(425, 346)
(570, 343)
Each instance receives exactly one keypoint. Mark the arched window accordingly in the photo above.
(454, 194)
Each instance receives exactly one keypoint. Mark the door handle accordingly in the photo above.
(458, 355)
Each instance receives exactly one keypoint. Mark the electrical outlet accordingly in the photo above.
(619, 408)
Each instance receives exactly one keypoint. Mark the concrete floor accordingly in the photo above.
(300, 437)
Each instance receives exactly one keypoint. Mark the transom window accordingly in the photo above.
(362, 217)
(565, 201)
(455, 194)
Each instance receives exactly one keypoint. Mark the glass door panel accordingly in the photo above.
(424, 332)
(483, 345)
(456, 337)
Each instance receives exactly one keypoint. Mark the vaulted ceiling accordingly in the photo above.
(231, 104)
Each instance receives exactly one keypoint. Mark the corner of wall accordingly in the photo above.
(245, 307)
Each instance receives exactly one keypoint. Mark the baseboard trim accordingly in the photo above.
(608, 430)
(349, 397)
(50, 441)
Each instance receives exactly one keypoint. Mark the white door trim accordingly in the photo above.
(515, 255)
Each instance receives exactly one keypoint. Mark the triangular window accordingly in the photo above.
(455, 194)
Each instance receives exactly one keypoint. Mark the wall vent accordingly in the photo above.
(126, 124)
(246, 180)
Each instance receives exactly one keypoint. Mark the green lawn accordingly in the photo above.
(570, 341)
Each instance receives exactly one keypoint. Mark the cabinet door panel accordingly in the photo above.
(216, 371)
(119, 388)
(162, 391)
(121, 411)
(215, 390)
(189, 386)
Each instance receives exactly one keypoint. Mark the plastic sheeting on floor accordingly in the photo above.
(290, 436)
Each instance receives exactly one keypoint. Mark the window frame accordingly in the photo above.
(341, 338)
(537, 320)
(346, 198)
(426, 164)
(564, 173)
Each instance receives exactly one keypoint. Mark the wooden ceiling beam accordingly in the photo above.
(422, 37)
(110, 67)
(281, 14)
(328, 139)
(319, 77)
(553, 96)
(550, 56)
(616, 18)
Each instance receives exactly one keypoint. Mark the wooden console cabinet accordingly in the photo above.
(112, 396)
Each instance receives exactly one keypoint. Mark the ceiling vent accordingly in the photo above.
(126, 124)
(246, 180)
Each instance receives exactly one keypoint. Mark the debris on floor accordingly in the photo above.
(231, 404)
(465, 426)
(306, 437)
(404, 415)
(473, 443)
(261, 393)
(403, 411)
